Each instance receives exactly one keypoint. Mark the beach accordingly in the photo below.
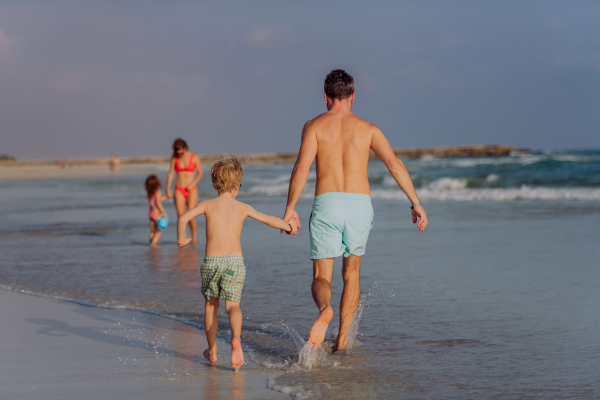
(497, 298)
(56, 349)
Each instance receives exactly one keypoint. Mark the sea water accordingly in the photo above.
(497, 298)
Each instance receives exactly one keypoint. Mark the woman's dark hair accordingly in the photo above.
(339, 84)
(152, 184)
(179, 144)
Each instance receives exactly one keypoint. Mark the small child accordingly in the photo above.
(157, 211)
(223, 271)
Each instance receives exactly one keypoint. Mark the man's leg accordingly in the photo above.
(235, 322)
(211, 327)
(321, 291)
(350, 297)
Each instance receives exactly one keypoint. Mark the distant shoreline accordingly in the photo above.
(289, 157)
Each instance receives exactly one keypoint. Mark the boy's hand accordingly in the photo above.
(294, 225)
(184, 242)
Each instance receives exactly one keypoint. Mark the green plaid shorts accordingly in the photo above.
(223, 277)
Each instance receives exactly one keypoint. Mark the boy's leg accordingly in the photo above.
(350, 297)
(235, 321)
(321, 291)
(211, 326)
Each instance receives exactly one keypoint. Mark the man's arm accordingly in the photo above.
(306, 156)
(382, 148)
(182, 222)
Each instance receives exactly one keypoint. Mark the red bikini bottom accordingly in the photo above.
(184, 191)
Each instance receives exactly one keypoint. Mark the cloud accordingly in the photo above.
(450, 41)
(157, 88)
(5, 44)
(420, 71)
(261, 37)
(424, 72)
(70, 83)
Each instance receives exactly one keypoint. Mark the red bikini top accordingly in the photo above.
(189, 168)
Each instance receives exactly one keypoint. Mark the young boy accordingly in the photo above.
(223, 270)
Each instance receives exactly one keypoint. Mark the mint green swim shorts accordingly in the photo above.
(340, 224)
(223, 277)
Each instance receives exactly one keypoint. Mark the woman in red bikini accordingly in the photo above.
(186, 164)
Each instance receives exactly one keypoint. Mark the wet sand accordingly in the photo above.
(54, 349)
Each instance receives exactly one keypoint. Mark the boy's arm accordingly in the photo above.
(272, 221)
(182, 222)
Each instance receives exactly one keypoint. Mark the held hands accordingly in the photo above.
(294, 224)
(291, 217)
(184, 242)
(169, 193)
(419, 212)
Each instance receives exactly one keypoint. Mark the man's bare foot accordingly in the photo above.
(237, 354)
(341, 343)
(319, 328)
(211, 355)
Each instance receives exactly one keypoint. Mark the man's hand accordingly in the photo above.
(288, 217)
(419, 212)
(184, 242)
(169, 194)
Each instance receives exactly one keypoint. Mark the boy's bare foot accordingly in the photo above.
(319, 328)
(211, 355)
(237, 354)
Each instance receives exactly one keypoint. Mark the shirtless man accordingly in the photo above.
(342, 215)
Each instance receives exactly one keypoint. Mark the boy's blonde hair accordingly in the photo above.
(226, 174)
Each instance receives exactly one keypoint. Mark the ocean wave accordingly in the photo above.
(519, 159)
(495, 194)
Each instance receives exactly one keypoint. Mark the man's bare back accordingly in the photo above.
(343, 143)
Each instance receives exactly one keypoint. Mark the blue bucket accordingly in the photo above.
(162, 223)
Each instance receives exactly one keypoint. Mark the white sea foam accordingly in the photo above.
(496, 194)
(447, 184)
(296, 392)
(492, 178)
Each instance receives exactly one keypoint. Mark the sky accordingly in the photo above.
(88, 78)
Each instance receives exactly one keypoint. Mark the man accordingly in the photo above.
(342, 214)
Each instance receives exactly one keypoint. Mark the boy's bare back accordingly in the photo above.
(224, 221)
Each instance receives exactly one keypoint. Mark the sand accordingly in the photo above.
(51, 349)
(46, 172)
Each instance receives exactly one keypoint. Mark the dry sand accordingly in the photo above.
(51, 349)
(44, 172)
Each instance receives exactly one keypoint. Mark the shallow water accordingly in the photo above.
(499, 297)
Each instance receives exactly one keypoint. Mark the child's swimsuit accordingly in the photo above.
(340, 224)
(153, 213)
(191, 167)
(223, 277)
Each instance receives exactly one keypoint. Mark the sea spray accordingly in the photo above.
(307, 356)
(353, 330)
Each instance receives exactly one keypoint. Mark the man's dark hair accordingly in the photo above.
(339, 84)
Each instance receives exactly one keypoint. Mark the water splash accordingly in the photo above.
(307, 356)
(353, 330)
